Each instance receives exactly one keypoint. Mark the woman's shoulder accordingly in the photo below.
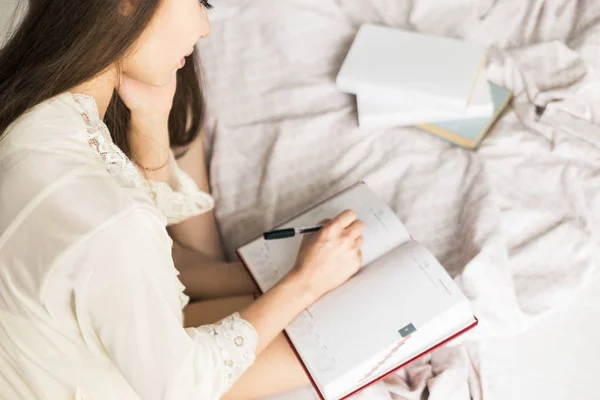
(60, 194)
(57, 114)
(56, 193)
(47, 162)
(51, 134)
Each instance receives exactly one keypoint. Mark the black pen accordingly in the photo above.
(290, 232)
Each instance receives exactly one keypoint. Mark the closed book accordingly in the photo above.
(400, 64)
(380, 111)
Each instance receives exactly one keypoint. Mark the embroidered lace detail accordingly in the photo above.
(117, 163)
(183, 298)
(176, 204)
(182, 199)
(237, 340)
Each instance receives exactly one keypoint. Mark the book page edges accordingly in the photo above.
(480, 71)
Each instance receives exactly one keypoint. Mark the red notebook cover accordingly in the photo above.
(380, 377)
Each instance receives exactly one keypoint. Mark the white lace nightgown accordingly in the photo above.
(90, 301)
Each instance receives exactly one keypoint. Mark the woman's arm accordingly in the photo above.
(278, 359)
(199, 233)
(207, 278)
(148, 134)
(130, 303)
(148, 139)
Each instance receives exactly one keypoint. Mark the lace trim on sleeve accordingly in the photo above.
(181, 199)
(237, 340)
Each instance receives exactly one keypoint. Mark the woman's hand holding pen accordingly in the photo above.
(330, 257)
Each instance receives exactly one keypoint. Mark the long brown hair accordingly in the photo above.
(62, 44)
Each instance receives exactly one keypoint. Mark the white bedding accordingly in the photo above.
(517, 222)
(556, 360)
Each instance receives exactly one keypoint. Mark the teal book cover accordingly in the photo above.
(469, 133)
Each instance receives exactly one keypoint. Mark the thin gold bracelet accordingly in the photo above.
(155, 168)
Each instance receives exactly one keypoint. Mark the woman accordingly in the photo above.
(90, 301)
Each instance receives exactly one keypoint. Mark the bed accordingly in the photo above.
(517, 223)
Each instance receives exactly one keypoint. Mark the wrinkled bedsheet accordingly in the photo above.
(517, 223)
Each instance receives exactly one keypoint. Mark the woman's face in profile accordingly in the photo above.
(168, 39)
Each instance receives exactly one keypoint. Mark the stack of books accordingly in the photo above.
(404, 78)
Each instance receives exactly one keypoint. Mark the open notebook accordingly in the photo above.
(401, 304)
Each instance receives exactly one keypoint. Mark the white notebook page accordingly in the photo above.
(346, 328)
(271, 260)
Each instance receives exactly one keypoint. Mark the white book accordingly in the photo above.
(380, 111)
(401, 305)
(410, 66)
